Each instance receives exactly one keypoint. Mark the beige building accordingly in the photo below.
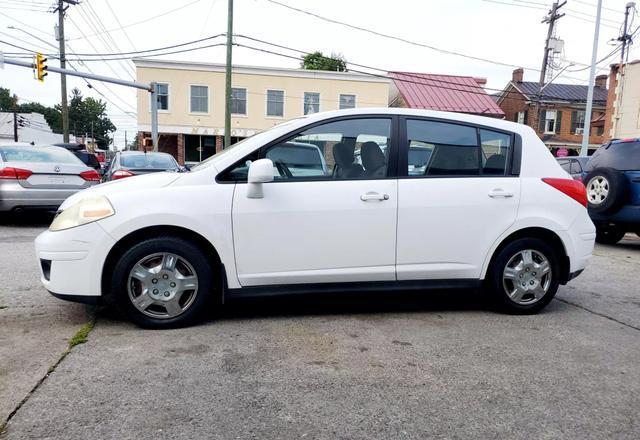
(191, 101)
(623, 103)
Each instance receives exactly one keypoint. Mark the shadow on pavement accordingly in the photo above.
(339, 304)
(26, 218)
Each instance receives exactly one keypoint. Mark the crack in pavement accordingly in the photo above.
(78, 338)
(597, 313)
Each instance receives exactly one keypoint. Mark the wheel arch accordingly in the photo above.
(158, 231)
(544, 234)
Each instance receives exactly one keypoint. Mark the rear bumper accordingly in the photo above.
(579, 241)
(12, 196)
(628, 215)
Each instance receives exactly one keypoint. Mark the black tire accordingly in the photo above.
(166, 244)
(618, 190)
(609, 234)
(497, 288)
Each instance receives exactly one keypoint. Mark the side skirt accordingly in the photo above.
(363, 287)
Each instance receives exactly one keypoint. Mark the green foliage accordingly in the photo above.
(318, 61)
(87, 114)
(6, 100)
(81, 335)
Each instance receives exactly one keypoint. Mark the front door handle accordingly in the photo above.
(499, 193)
(374, 196)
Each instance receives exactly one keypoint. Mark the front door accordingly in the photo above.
(329, 215)
(457, 196)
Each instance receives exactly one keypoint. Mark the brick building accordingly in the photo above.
(558, 113)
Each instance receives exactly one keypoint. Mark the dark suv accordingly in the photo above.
(613, 189)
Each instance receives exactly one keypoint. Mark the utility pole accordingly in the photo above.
(625, 40)
(63, 64)
(126, 144)
(15, 118)
(551, 19)
(227, 113)
(93, 139)
(584, 149)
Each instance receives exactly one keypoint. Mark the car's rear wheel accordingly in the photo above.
(524, 276)
(609, 234)
(162, 282)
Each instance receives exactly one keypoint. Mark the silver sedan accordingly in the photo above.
(40, 177)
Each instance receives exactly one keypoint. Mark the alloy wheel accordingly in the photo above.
(527, 277)
(597, 190)
(162, 285)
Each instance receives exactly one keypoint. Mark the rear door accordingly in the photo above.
(451, 211)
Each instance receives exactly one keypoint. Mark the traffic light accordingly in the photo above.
(41, 67)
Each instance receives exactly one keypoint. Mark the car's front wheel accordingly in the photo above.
(524, 276)
(162, 282)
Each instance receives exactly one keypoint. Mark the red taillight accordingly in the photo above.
(90, 175)
(14, 173)
(121, 174)
(573, 188)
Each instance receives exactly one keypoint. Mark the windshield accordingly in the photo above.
(38, 155)
(148, 160)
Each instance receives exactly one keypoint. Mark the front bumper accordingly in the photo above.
(74, 259)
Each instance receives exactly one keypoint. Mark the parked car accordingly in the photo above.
(134, 163)
(40, 177)
(80, 151)
(574, 165)
(161, 246)
(612, 178)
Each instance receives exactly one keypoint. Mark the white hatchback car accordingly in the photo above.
(491, 207)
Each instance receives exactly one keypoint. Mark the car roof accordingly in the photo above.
(131, 153)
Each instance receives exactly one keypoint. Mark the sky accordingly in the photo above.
(504, 33)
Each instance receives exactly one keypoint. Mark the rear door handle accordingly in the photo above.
(499, 193)
(374, 196)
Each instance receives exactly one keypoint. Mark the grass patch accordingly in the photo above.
(81, 335)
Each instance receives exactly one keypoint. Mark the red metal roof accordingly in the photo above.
(448, 93)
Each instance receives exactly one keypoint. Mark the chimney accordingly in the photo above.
(481, 81)
(601, 81)
(518, 75)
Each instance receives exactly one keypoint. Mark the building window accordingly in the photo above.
(311, 103)
(521, 118)
(275, 103)
(550, 121)
(578, 121)
(199, 99)
(347, 101)
(163, 96)
(238, 101)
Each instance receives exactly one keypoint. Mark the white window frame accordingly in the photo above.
(266, 103)
(547, 119)
(304, 102)
(580, 130)
(355, 100)
(521, 118)
(191, 111)
(168, 110)
(246, 102)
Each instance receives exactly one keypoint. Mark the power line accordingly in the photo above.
(396, 38)
(142, 21)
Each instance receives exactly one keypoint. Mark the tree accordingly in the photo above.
(318, 61)
(6, 100)
(90, 116)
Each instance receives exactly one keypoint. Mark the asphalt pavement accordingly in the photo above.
(436, 365)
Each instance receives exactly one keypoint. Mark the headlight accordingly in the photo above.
(85, 211)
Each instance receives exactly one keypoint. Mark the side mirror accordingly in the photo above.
(260, 171)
